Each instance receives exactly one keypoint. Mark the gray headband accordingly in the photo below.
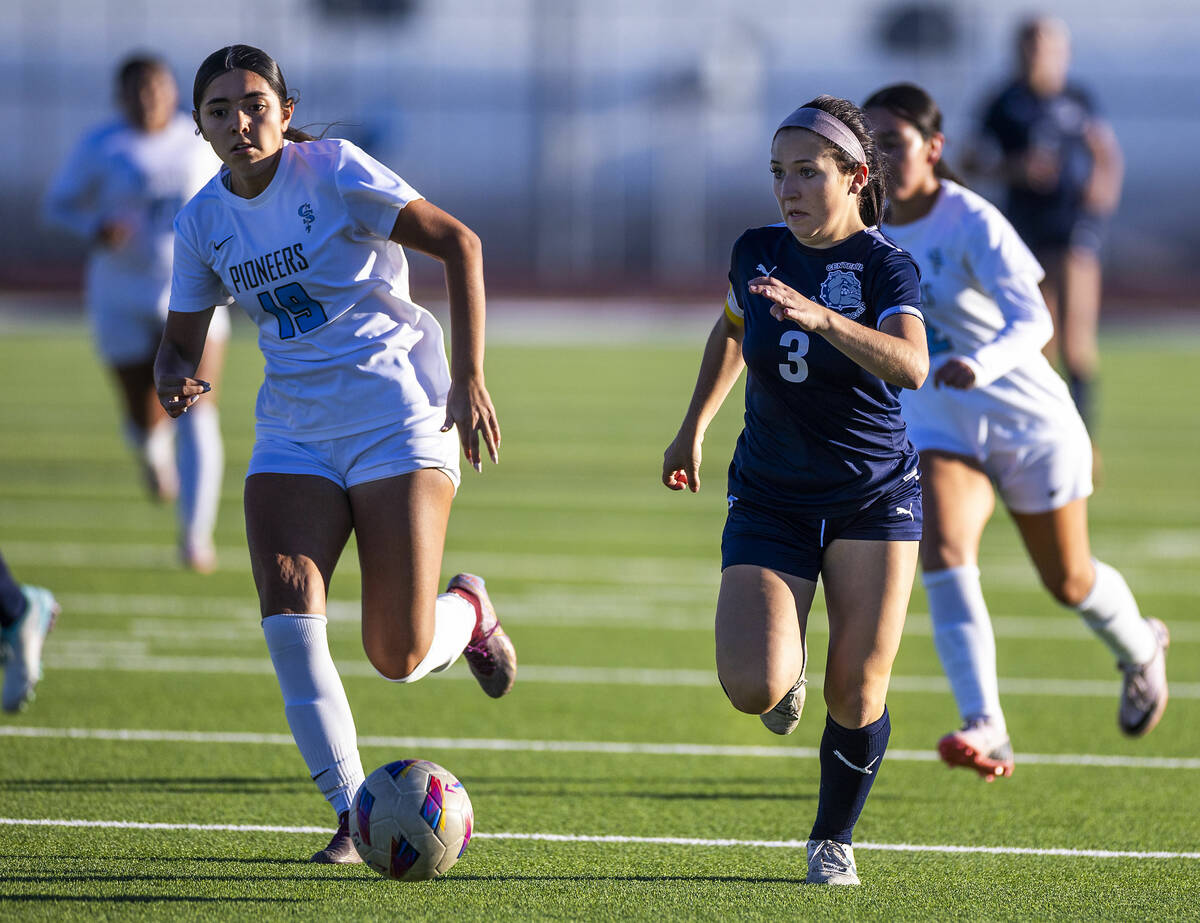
(828, 127)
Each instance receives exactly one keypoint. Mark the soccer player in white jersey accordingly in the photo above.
(994, 412)
(357, 411)
(120, 190)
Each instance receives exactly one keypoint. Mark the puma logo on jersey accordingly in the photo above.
(865, 770)
(766, 272)
(224, 242)
(732, 500)
(901, 511)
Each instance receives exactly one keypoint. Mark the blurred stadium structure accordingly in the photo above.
(614, 143)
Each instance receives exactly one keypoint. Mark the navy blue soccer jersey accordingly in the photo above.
(1020, 121)
(822, 436)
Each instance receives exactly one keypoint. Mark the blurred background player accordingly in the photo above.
(356, 415)
(120, 190)
(27, 613)
(1062, 169)
(824, 314)
(994, 411)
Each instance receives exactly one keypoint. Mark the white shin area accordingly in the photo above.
(201, 461)
(966, 645)
(315, 704)
(1112, 613)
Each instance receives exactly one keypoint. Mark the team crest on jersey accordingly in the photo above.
(307, 215)
(842, 291)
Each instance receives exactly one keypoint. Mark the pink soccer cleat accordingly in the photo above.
(490, 652)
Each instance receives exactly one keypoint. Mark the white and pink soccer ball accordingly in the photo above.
(411, 820)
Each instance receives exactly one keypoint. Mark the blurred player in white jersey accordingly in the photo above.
(120, 190)
(994, 412)
(357, 411)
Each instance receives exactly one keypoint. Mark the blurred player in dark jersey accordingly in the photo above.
(1063, 169)
(824, 313)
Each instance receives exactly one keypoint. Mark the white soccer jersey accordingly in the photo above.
(117, 173)
(980, 298)
(309, 261)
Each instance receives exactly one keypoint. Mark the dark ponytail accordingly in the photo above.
(871, 197)
(909, 102)
(245, 57)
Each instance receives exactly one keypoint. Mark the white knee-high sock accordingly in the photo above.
(155, 450)
(454, 622)
(962, 633)
(315, 704)
(1112, 613)
(201, 460)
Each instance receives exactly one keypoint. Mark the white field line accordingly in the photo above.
(135, 657)
(608, 839)
(625, 748)
(626, 571)
(659, 608)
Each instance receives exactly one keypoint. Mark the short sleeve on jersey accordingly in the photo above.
(373, 194)
(733, 310)
(895, 287)
(194, 285)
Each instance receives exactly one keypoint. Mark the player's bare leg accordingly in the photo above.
(148, 429)
(201, 463)
(867, 587)
(760, 625)
(1053, 262)
(1058, 543)
(1080, 315)
(409, 629)
(296, 527)
(958, 500)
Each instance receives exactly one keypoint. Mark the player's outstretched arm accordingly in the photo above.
(178, 357)
(425, 227)
(719, 369)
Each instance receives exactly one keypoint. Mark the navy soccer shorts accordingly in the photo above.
(772, 538)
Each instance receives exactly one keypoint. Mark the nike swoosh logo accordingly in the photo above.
(866, 771)
(224, 242)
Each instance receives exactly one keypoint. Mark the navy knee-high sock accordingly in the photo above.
(850, 760)
(12, 600)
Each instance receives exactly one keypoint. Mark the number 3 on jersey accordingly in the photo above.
(293, 310)
(796, 344)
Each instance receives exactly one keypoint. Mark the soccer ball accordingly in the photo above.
(411, 820)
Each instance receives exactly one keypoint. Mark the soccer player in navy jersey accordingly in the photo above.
(1062, 167)
(824, 313)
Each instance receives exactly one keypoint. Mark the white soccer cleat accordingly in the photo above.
(23, 642)
(979, 746)
(831, 863)
(783, 718)
(1144, 689)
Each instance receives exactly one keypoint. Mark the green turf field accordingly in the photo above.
(159, 705)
